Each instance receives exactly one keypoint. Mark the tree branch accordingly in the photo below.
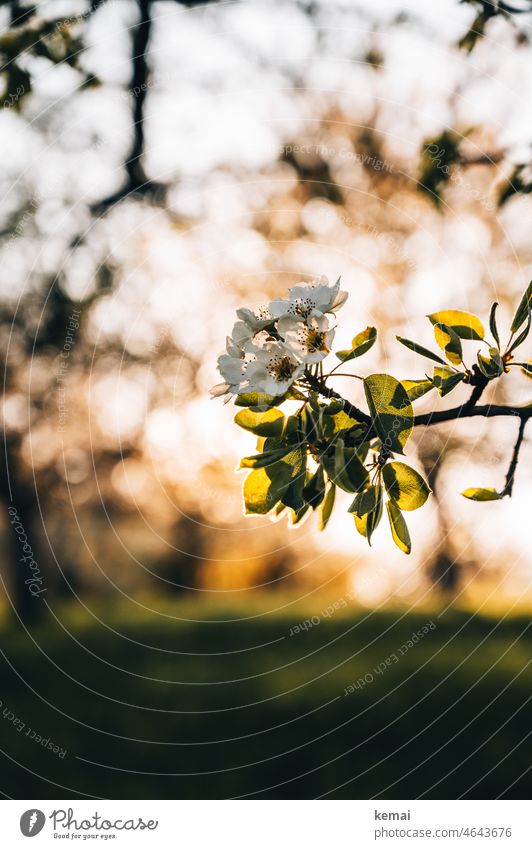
(513, 10)
(509, 482)
(468, 410)
(465, 412)
(479, 382)
(136, 182)
(319, 386)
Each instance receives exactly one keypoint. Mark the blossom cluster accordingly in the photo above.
(269, 349)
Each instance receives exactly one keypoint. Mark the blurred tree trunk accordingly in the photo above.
(25, 585)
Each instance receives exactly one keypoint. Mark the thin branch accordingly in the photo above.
(509, 482)
(513, 10)
(136, 182)
(487, 411)
(465, 411)
(479, 385)
(319, 386)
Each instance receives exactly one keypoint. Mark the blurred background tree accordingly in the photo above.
(148, 191)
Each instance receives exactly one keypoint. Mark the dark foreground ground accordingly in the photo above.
(148, 707)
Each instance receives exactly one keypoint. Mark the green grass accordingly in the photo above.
(203, 709)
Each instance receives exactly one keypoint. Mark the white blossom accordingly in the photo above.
(233, 367)
(275, 368)
(309, 340)
(307, 298)
(255, 320)
(268, 350)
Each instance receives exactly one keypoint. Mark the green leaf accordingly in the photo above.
(314, 489)
(417, 388)
(361, 523)
(419, 349)
(291, 394)
(491, 366)
(366, 501)
(333, 408)
(446, 379)
(293, 496)
(326, 507)
(344, 422)
(493, 324)
(481, 493)
(346, 469)
(267, 458)
(299, 515)
(259, 400)
(366, 522)
(398, 527)
(522, 336)
(268, 423)
(263, 488)
(496, 358)
(449, 341)
(391, 410)
(523, 309)
(361, 343)
(526, 368)
(405, 486)
(465, 324)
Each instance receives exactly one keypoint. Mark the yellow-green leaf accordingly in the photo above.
(446, 379)
(405, 486)
(298, 515)
(342, 421)
(259, 400)
(267, 458)
(326, 507)
(314, 488)
(367, 522)
(419, 349)
(465, 324)
(491, 366)
(391, 410)
(398, 527)
(267, 423)
(449, 341)
(417, 388)
(481, 493)
(366, 501)
(523, 309)
(493, 324)
(263, 488)
(361, 343)
(346, 469)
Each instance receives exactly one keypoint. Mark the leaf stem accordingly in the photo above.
(342, 374)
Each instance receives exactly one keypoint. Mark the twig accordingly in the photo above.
(319, 386)
(136, 182)
(465, 411)
(479, 385)
(509, 482)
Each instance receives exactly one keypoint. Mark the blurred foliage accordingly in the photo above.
(438, 156)
(442, 153)
(332, 180)
(33, 37)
